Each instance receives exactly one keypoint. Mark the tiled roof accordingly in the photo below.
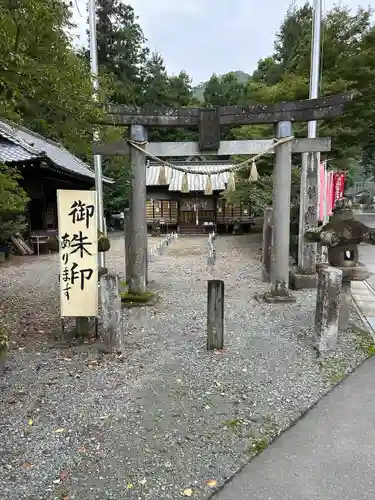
(197, 182)
(11, 152)
(17, 143)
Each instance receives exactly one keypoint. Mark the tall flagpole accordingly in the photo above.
(315, 63)
(310, 185)
(97, 158)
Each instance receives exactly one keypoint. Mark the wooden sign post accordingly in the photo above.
(78, 250)
(215, 314)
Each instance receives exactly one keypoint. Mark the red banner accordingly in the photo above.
(338, 186)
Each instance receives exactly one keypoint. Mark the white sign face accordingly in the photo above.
(78, 248)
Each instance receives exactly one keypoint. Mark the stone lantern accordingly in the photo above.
(342, 235)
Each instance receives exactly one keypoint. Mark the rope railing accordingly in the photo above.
(253, 175)
(163, 242)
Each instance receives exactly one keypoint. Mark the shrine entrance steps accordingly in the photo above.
(190, 228)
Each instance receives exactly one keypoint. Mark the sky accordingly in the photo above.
(203, 37)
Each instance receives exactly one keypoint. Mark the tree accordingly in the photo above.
(155, 83)
(213, 93)
(180, 91)
(13, 200)
(268, 71)
(348, 56)
(293, 41)
(226, 90)
(122, 53)
(43, 82)
(348, 65)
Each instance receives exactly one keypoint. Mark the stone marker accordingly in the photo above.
(113, 335)
(215, 314)
(211, 259)
(267, 245)
(341, 235)
(327, 308)
(346, 305)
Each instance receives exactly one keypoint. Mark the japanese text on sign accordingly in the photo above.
(78, 245)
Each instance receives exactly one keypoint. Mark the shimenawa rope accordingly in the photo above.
(253, 174)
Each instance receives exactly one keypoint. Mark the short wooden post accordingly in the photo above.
(267, 245)
(327, 308)
(83, 327)
(215, 314)
(113, 335)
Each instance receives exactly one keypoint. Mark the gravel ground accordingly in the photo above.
(165, 419)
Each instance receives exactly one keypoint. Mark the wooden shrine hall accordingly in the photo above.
(192, 212)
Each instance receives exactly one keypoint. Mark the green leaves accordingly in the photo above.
(13, 200)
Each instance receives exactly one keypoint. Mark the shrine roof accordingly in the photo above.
(20, 145)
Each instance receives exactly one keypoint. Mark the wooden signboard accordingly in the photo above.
(78, 248)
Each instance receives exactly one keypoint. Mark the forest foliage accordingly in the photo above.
(45, 83)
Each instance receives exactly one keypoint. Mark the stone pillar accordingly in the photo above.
(267, 244)
(282, 178)
(127, 233)
(146, 250)
(345, 305)
(308, 212)
(305, 274)
(113, 335)
(327, 308)
(136, 268)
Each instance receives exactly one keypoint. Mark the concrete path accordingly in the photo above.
(330, 453)
(367, 252)
(327, 455)
(364, 297)
(364, 293)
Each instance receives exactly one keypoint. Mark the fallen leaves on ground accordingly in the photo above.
(212, 483)
(27, 465)
(63, 475)
(59, 431)
(30, 421)
(188, 492)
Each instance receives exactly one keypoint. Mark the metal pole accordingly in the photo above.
(309, 193)
(97, 158)
(315, 63)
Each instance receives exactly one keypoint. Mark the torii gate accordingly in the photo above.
(208, 121)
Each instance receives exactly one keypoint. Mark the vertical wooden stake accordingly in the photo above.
(82, 326)
(215, 314)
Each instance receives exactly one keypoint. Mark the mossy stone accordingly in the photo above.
(133, 300)
(103, 244)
